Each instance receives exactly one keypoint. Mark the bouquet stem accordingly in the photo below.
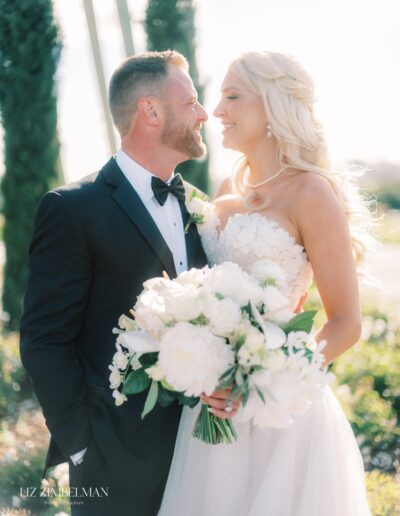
(212, 429)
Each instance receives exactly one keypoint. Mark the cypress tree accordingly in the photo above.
(170, 24)
(29, 53)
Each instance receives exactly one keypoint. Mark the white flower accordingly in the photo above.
(156, 373)
(192, 277)
(126, 323)
(61, 473)
(276, 305)
(224, 315)
(231, 281)
(297, 340)
(115, 377)
(184, 302)
(120, 360)
(268, 272)
(193, 358)
(252, 351)
(274, 361)
(119, 397)
(138, 342)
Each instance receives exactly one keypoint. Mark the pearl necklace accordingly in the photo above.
(262, 183)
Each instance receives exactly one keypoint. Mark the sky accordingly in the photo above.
(350, 47)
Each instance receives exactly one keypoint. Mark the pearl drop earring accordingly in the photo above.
(269, 130)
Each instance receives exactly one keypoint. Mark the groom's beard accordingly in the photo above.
(181, 138)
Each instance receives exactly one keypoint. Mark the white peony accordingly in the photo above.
(193, 358)
(224, 315)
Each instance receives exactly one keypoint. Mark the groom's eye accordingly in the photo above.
(231, 97)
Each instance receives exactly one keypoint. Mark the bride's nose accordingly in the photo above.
(219, 110)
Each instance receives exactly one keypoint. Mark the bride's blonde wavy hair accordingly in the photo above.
(287, 93)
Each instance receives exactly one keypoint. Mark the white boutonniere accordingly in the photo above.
(199, 208)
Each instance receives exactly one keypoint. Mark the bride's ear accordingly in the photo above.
(150, 110)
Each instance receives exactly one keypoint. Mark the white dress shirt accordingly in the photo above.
(168, 219)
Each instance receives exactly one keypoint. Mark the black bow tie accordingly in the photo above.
(161, 189)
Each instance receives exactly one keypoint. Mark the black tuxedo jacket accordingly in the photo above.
(94, 244)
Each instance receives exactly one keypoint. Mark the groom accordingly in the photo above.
(94, 244)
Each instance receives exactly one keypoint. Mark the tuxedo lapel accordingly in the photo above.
(191, 236)
(130, 202)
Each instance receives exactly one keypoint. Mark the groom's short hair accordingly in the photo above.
(138, 76)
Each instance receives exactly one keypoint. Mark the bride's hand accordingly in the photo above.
(218, 403)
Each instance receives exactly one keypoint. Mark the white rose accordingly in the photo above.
(268, 272)
(193, 358)
(194, 277)
(119, 398)
(126, 323)
(197, 205)
(224, 315)
(151, 321)
(231, 281)
(155, 372)
(184, 303)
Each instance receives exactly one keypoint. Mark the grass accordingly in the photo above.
(389, 227)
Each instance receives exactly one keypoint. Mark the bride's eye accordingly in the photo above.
(232, 97)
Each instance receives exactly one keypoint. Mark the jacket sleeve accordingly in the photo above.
(59, 277)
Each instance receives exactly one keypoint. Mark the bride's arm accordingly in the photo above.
(325, 234)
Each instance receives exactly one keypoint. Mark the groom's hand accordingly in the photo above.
(217, 403)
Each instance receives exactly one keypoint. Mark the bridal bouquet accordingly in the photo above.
(216, 328)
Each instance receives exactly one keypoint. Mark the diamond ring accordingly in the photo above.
(228, 406)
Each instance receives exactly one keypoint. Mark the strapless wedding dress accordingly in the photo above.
(312, 468)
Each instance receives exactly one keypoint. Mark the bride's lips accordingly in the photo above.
(227, 126)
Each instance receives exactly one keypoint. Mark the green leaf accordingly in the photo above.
(227, 373)
(165, 397)
(186, 400)
(151, 399)
(239, 378)
(148, 359)
(260, 393)
(301, 322)
(136, 381)
(166, 385)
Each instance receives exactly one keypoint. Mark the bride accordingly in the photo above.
(284, 203)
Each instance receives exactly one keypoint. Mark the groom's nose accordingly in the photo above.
(202, 113)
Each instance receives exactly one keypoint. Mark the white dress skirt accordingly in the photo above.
(312, 468)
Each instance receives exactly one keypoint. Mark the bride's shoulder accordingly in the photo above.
(309, 187)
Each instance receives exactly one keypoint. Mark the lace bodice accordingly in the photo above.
(248, 237)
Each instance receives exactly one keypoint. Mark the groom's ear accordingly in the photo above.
(150, 110)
